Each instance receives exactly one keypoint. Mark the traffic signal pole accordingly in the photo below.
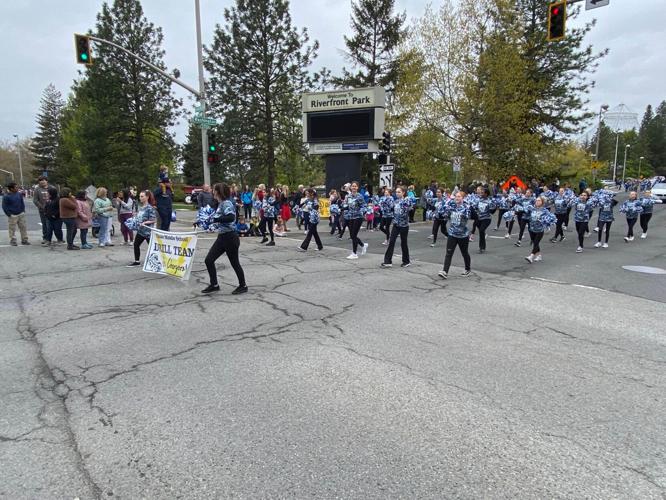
(202, 95)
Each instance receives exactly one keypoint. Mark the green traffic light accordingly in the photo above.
(211, 148)
(84, 57)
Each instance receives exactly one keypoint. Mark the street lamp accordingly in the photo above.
(640, 160)
(617, 143)
(592, 169)
(18, 150)
(624, 168)
(602, 110)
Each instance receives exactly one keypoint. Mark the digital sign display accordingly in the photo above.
(341, 125)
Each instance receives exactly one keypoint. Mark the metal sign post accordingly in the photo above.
(386, 175)
(456, 161)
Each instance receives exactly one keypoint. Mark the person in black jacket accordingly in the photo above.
(52, 213)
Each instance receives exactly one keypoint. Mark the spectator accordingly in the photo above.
(68, 209)
(52, 212)
(103, 209)
(39, 198)
(14, 208)
(205, 197)
(83, 219)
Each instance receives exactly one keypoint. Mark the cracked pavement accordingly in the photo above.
(330, 379)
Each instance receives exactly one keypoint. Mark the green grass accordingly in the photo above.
(181, 206)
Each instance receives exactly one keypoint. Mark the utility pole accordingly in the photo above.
(202, 94)
(617, 143)
(602, 110)
(18, 150)
(624, 167)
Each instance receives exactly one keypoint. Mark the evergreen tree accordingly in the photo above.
(372, 48)
(45, 144)
(124, 108)
(192, 157)
(258, 64)
(655, 137)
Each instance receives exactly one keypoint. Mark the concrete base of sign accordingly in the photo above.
(341, 169)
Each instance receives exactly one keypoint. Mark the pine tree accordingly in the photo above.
(192, 157)
(655, 136)
(258, 64)
(46, 142)
(123, 134)
(373, 47)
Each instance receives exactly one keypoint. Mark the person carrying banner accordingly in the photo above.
(227, 241)
(146, 217)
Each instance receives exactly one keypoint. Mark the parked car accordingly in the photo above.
(191, 199)
(659, 191)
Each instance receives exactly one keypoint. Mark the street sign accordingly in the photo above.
(457, 163)
(204, 122)
(595, 4)
(386, 175)
(388, 167)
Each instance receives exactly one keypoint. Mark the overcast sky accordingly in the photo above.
(37, 41)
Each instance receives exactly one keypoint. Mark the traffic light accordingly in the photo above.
(82, 46)
(386, 142)
(213, 155)
(557, 19)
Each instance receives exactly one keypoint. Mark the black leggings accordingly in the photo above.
(483, 227)
(630, 230)
(403, 232)
(500, 214)
(70, 224)
(567, 216)
(581, 229)
(385, 226)
(247, 211)
(354, 227)
(267, 223)
(522, 223)
(438, 225)
(536, 239)
(312, 232)
(137, 246)
(561, 219)
(336, 224)
(645, 220)
(451, 244)
(229, 243)
(600, 225)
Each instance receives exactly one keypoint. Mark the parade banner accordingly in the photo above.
(324, 207)
(171, 254)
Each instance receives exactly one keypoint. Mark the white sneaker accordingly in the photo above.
(596, 229)
(626, 239)
(597, 244)
(365, 248)
(529, 258)
(432, 245)
(643, 236)
(430, 237)
(538, 258)
(443, 274)
(631, 238)
(579, 250)
(385, 242)
(352, 256)
(300, 249)
(101, 245)
(605, 245)
(507, 236)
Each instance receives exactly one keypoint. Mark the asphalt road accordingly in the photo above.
(334, 378)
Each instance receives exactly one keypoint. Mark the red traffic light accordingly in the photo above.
(557, 17)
